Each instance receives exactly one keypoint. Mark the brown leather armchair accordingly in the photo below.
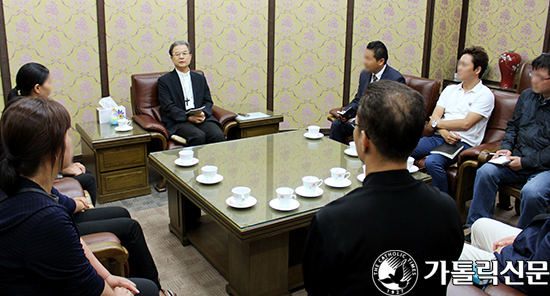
(524, 78)
(146, 110)
(461, 178)
(428, 88)
(105, 245)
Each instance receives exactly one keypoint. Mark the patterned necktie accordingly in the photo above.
(374, 78)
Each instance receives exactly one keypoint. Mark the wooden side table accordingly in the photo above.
(257, 127)
(118, 160)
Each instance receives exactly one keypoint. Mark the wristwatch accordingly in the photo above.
(434, 124)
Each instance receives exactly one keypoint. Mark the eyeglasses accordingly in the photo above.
(538, 77)
(183, 53)
(354, 125)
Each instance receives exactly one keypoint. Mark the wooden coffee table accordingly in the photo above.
(259, 249)
(118, 160)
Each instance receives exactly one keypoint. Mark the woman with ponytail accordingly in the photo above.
(34, 80)
(42, 252)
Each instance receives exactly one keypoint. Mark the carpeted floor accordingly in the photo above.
(182, 269)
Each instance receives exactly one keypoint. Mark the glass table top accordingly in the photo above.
(105, 131)
(263, 164)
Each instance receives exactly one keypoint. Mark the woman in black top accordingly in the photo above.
(42, 252)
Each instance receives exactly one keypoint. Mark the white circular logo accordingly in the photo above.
(394, 272)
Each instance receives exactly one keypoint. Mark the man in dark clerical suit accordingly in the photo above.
(375, 61)
(376, 239)
(182, 90)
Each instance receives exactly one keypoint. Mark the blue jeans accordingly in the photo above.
(534, 194)
(436, 164)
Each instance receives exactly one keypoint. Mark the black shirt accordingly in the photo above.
(392, 211)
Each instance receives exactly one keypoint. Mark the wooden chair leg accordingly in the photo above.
(504, 201)
(161, 185)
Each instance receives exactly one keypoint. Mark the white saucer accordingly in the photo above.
(300, 191)
(230, 201)
(361, 177)
(318, 136)
(344, 184)
(217, 179)
(193, 162)
(124, 128)
(274, 203)
(413, 169)
(350, 152)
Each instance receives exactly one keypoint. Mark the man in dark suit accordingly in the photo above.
(378, 237)
(182, 90)
(375, 61)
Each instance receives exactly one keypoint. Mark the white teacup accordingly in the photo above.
(410, 162)
(313, 130)
(285, 196)
(240, 195)
(311, 183)
(123, 122)
(339, 174)
(209, 172)
(186, 155)
(352, 147)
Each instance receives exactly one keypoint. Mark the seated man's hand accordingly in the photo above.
(449, 137)
(516, 163)
(197, 118)
(501, 243)
(73, 170)
(341, 118)
(508, 153)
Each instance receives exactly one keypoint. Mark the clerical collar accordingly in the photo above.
(182, 73)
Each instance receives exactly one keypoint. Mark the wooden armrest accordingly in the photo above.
(106, 245)
(474, 152)
(485, 156)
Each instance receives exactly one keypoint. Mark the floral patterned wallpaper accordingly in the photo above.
(231, 48)
(61, 35)
(500, 26)
(309, 60)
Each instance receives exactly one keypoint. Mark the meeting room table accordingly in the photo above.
(257, 249)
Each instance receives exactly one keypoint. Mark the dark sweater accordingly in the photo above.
(392, 211)
(40, 248)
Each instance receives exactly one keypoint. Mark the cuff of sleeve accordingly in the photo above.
(526, 163)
